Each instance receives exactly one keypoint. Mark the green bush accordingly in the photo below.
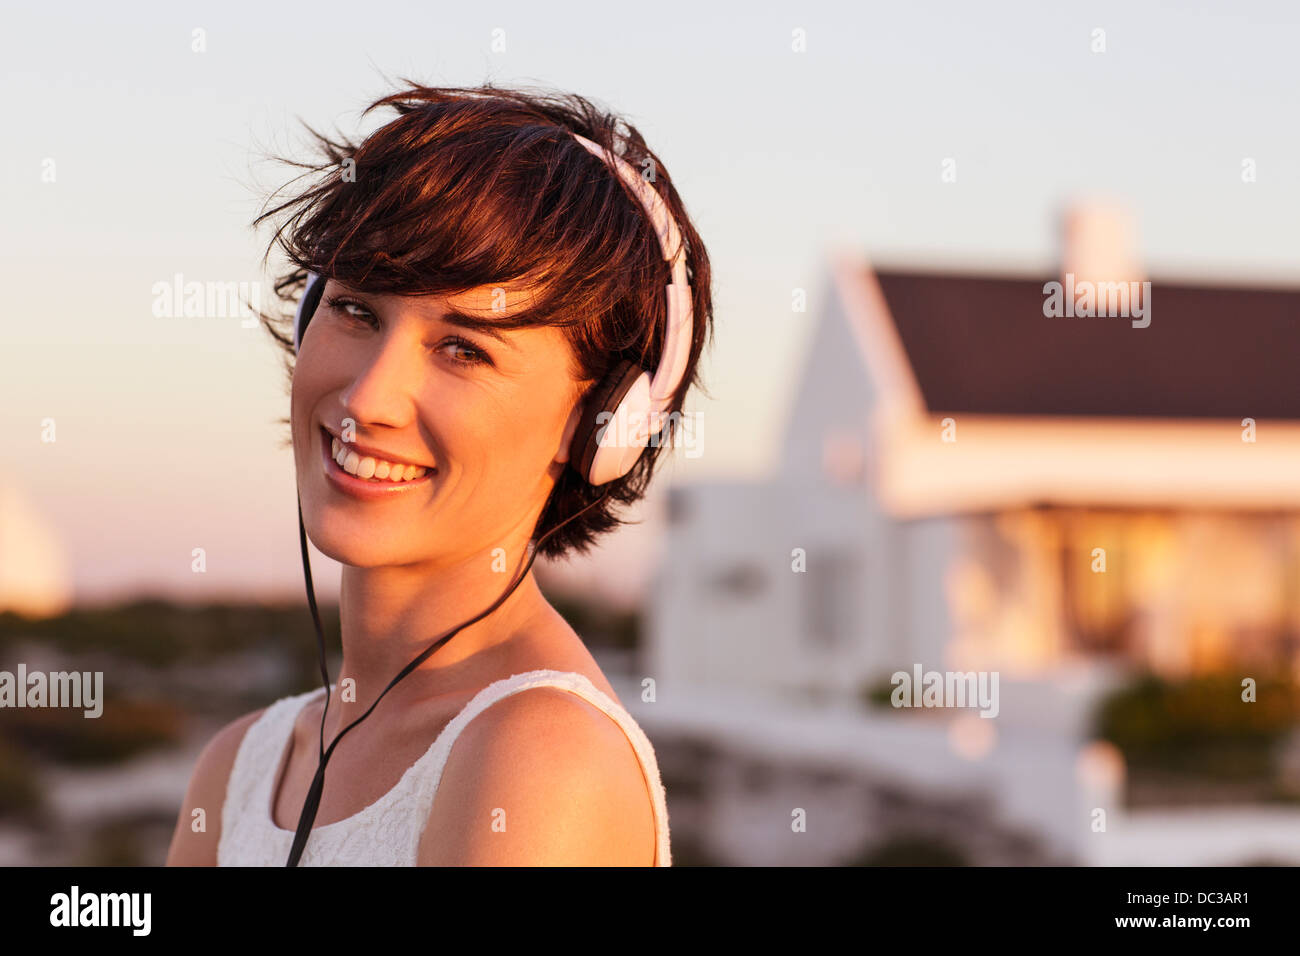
(878, 694)
(911, 849)
(160, 633)
(125, 728)
(599, 626)
(1200, 725)
(21, 793)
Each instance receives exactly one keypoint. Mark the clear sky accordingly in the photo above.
(166, 434)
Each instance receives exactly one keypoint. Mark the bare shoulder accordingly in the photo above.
(207, 792)
(541, 778)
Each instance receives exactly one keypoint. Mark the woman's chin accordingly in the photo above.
(360, 547)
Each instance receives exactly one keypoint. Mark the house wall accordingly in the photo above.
(734, 610)
(918, 555)
(833, 399)
(802, 583)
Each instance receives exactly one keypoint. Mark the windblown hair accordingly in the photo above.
(483, 186)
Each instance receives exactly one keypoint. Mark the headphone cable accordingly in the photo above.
(312, 803)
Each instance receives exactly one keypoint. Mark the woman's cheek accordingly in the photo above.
(530, 445)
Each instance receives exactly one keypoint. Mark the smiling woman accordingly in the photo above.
(481, 289)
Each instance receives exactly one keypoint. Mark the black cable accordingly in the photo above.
(312, 803)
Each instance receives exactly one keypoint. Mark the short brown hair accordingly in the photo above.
(485, 185)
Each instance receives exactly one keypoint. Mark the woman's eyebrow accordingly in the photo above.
(477, 324)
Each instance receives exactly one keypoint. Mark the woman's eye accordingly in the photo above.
(340, 304)
(476, 357)
(463, 352)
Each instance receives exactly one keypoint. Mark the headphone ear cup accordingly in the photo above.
(311, 297)
(605, 397)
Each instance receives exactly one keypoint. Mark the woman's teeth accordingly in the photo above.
(372, 469)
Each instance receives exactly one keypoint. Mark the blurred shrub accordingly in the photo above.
(126, 727)
(910, 849)
(599, 626)
(1200, 725)
(878, 694)
(116, 843)
(688, 850)
(21, 794)
(162, 633)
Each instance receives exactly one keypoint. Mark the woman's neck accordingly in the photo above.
(390, 615)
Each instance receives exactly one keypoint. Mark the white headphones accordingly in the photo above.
(624, 408)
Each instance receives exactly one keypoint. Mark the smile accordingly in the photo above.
(368, 475)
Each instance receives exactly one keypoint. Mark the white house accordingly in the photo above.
(978, 475)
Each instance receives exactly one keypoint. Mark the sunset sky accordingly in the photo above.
(166, 427)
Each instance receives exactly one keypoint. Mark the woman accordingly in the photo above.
(489, 276)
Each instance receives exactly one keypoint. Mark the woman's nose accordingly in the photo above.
(384, 382)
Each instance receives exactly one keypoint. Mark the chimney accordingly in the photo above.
(1100, 267)
(1101, 243)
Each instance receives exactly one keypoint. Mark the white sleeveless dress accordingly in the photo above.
(386, 833)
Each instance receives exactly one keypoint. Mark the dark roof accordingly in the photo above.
(981, 344)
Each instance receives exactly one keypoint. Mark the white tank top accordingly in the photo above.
(386, 833)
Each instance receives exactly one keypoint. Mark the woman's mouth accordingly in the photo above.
(355, 472)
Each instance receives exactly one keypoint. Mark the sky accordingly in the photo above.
(789, 129)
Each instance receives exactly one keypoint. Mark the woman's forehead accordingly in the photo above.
(491, 300)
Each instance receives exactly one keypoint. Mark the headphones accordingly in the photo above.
(628, 398)
(627, 402)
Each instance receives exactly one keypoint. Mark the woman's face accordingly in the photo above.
(489, 417)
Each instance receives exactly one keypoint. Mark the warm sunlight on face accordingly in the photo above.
(486, 414)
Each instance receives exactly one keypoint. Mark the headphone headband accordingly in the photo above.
(677, 338)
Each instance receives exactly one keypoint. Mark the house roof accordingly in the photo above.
(982, 345)
(1074, 411)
